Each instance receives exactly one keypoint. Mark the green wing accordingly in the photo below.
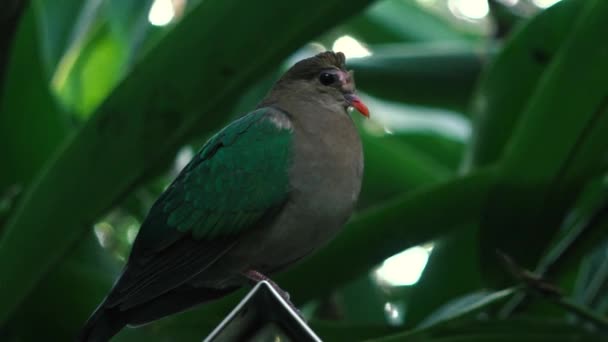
(233, 181)
(236, 180)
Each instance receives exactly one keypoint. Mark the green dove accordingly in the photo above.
(267, 190)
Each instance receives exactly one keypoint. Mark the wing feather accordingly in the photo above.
(236, 181)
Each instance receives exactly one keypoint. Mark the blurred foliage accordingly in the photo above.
(487, 135)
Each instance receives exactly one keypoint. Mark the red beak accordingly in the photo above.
(356, 102)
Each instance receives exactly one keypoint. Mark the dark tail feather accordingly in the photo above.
(101, 326)
(105, 323)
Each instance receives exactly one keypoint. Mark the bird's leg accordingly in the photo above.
(256, 277)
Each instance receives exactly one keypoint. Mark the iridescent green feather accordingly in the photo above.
(238, 176)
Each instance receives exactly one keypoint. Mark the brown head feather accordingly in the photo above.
(305, 85)
(310, 67)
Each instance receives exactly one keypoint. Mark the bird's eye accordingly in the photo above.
(327, 78)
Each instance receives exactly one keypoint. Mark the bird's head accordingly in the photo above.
(322, 78)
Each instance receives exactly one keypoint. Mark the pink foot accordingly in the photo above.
(256, 277)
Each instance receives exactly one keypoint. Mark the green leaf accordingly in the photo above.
(521, 329)
(129, 18)
(392, 21)
(99, 65)
(444, 150)
(346, 304)
(582, 230)
(505, 337)
(60, 25)
(544, 169)
(9, 22)
(393, 167)
(505, 87)
(180, 86)
(592, 282)
(505, 16)
(466, 306)
(88, 272)
(31, 124)
(339, 331)
(585, 230)
(454, 262)
(430, 74)
(106, 39)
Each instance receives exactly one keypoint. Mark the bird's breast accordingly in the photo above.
(327, 167)
(325, 179)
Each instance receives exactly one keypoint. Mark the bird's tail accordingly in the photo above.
(101, 326)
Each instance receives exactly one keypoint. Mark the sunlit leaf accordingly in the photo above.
(392, 21)
(95, 71)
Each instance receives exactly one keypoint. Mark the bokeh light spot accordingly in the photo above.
(161, 13)
(351, 47)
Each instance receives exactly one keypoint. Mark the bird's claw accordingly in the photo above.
(256, 277)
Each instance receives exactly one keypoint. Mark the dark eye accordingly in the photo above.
(327, 78)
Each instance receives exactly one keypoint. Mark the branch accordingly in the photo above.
(536, 284)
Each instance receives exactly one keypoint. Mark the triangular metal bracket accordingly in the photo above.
(263, 315)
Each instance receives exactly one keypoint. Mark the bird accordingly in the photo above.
(261, 194)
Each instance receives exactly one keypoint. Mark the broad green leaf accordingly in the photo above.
(482, 330)
(105, 39)
(394, 21)
(10, 17)
(505, 87)
(522, 323)
(584, 231)
(63, 299)
(431, 74)
(454, 262)
(506, 16)
(589, 207)
(465, 306)
(503, 337)
(557, 146)
(444, 150)
(348, 304)
(60, 25)
(8, 199)
(96, 69)
(393, 167)
(31, 124)
(178, 87)
(592, 282)
(339, 331)
(129, 18)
